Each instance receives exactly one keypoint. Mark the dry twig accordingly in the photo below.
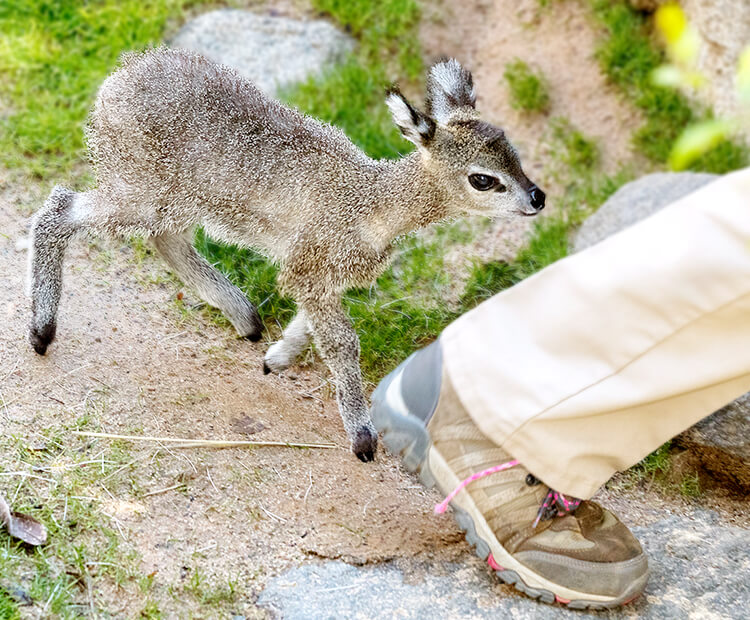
(205, 443)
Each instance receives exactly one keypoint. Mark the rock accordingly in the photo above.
(635, 201)
(273, 52)
(720, 441)
(699, 569)
(724, 27)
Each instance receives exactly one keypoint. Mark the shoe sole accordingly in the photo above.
(407, 437)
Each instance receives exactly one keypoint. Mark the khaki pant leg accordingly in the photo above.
(586, 367)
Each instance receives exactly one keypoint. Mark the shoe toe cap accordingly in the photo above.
(610, 579)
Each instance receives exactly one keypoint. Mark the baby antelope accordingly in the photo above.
(179, 142)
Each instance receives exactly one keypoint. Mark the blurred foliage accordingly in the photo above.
(8, 607)
(628, 56)
(577, 152)
(683, 46)
(386, 29)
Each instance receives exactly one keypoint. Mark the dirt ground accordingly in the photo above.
(171, 371)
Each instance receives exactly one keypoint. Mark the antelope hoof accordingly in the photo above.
(365, 444)
(40, 338)
(254, 336)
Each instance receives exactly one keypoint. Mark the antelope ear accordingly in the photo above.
(450, 88)
(415, 126)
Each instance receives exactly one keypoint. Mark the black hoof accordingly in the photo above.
(365, 444)
(254, 336)
(266, 369)
(40, 338)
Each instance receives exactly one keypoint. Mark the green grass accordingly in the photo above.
(8, 607)
(658, 468)
(53, 56)
(575, 152)
(351, 96)
(658, 462)
(207, 592)
(392, 317)
(528, 89)
(386, 30)
(627, 54)
(690, 485)
(89, 565)
(151, 611)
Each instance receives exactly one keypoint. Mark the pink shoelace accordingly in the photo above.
(554, 505)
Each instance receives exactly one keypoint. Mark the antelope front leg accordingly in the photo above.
(337, 342)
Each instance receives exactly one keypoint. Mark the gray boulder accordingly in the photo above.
(635, 201)
(721, 443)
(721, 440)
(699, 569)
(273, 52)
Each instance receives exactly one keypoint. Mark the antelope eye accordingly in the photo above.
(482, 182)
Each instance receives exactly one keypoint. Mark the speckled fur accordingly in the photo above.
(178, 141)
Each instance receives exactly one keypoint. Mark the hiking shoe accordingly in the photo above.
(549, 546)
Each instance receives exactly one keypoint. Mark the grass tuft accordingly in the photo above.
(690, 485)
(658, 462)
(8, 607)
(84, 545)
(577, 153)
(528, 89)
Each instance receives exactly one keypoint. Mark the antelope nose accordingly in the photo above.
(537, 198)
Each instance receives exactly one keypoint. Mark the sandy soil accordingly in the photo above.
(560, 41)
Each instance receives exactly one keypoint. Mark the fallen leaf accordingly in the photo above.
(22, 526)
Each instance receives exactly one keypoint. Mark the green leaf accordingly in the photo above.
(697, 140)
(743, 74)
